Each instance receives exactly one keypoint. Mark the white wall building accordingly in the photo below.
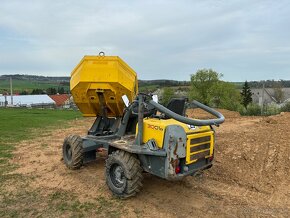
(27, 100)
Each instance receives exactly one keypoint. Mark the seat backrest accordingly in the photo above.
(177, 106)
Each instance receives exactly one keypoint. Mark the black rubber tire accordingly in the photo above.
(72, 152)
(131, 174)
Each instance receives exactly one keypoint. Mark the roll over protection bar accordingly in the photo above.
(220, 118)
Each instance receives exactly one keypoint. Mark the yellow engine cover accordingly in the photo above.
(108, 75)
(154, 128)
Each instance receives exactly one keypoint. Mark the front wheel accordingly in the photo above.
(72, 152)
(123, 174)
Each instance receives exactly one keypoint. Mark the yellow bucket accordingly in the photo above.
(106, 76)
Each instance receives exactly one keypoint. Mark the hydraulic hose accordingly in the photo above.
(220, 118)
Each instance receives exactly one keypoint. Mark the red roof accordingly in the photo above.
(59, 99)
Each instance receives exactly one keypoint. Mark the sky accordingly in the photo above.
(243, 40)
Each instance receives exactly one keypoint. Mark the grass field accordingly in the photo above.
(17, 125)
(19, 129)
(27, 85)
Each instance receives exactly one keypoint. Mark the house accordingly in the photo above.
(269, 95)
(61, 100)
(39, 101)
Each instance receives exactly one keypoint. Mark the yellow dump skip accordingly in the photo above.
(107, 76)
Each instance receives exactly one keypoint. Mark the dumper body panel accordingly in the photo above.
(108, 75)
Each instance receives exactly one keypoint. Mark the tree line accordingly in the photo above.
(207, 86)
(269, 83)
(48, 91)
(162, 83)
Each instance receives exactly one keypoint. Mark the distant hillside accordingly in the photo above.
(28, 83)
(36, 78)
(163, 82)
(269, 83)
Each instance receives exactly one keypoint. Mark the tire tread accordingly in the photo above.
(75, 142)
(133, 173)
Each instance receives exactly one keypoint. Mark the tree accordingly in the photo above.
(203, 84)
(24, 92)
(51, 91)
(207, 88)
(278, 92)
(167, 94)
(246, 95)
(226, 96)
(60, 90)
(37, 92)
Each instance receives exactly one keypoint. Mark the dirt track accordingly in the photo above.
(250, 176)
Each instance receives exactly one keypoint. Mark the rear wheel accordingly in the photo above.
(123, 174)
(72, 151)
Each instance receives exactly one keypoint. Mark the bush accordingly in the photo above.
(271, 110)
(286, 107)
(252, 110)
(255, 110)
(208, 88)
(226, 96)
(167, 94)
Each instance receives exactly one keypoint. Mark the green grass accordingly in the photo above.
(59, 203)
(17, 125)
(29, 85)
(20, 124)
(148, 88)
(26, 201)
(63, 201)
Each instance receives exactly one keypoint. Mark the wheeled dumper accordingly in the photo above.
(137, 134)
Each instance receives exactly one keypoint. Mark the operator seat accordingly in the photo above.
(177, 105)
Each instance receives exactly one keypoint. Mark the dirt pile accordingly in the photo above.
(250, 176)
(255, 155)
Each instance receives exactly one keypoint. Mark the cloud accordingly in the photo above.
(159, 39)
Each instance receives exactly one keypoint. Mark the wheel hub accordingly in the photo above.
(118, 176)
(69, 152)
